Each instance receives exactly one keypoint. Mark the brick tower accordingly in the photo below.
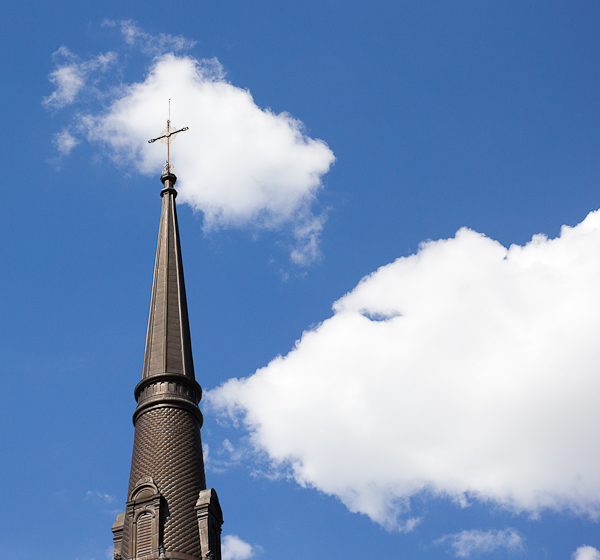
(170, 512)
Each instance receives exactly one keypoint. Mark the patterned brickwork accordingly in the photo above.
(168, 448)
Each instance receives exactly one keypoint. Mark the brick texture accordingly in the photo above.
(167, 447)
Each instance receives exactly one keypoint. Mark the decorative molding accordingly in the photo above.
(210, 519)
(165, 401)
(172, 378)
(117, 530)
(145, 499)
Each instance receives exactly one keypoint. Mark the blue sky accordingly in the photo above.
(444, 407)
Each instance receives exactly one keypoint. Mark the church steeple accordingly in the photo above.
(170, 512)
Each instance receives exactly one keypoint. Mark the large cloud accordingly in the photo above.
(467, 370)
(238, 164)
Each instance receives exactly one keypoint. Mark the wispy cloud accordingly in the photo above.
(468, 371)
(72, 73)
(227, 455)
(148, 43)
(99, 496)
(472, 543)
(307, 232)
(409, 525)
(65, 142)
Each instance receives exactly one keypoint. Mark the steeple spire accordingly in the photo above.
(168, 344)
(170, 512)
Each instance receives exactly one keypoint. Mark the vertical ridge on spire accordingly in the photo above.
(168, 342)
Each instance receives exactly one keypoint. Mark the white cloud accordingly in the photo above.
(307, 232)
(234, 548)
(64, 142)
(467, 543)
(409, 525)
(238, 164)
(468, 370)
(586, 553)
(72, 73)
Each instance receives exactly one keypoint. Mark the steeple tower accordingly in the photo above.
(170, 513)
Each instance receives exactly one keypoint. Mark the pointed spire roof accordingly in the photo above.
(168, 344)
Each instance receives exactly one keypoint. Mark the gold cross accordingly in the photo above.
(167, 136)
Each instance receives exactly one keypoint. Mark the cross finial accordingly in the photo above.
(166, 137)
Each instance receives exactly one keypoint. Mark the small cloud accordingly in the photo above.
(68, 80)
(100, 496)
(234, 548)
(229, 450)
(308, 235)
(467, 543)
(586, 553)
(71, 75)
(409, 525)
(225, 456)
(64, 142)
